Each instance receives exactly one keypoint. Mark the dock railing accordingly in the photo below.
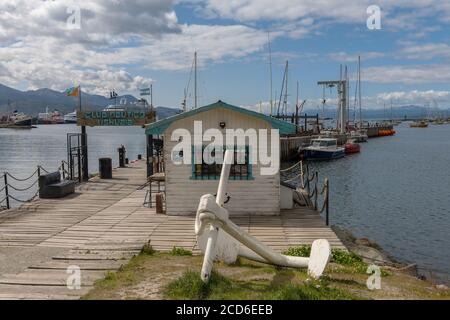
(309, 188)
(10, 183)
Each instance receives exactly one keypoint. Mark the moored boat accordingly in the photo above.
(359, 135)
(16, 119)
(352, 147)
(70, 117)
(419, 124)
(47, 117)
(323, 149)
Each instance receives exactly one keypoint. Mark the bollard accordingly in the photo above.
(127, 161)
(139, 156)
(122, 153)
(6, 191)
(105, 168)
(159, 203)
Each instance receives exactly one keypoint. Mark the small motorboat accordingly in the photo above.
(323, 149)
(359, 135)
(352, 147)
(419, 124)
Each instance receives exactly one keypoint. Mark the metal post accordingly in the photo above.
(327, 193)
(6, 190)
(79, 165)
(63, 170)
(149, 155)
(316, 190)
(39, 171)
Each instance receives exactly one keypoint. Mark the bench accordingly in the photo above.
(51, 186)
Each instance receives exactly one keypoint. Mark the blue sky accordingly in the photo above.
(125, 45)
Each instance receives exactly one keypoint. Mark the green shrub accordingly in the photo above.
(338, 256)
(180, 252)
(301, 251)
(147, 249)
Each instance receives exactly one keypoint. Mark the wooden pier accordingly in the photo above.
(104, 224)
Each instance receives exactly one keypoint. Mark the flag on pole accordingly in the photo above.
(145, 91)
(73, 92)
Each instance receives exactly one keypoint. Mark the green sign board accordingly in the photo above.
(114, 118)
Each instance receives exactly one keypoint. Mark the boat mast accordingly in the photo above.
(286, 89)
(359, 92)
(270, 70)
(283, 89)
(195, 80)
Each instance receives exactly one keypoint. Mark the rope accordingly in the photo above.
(1, 201)
(24, 201)
(21, 180)
(294, 178)
(25, 189)
(290, 168)
(42, 168)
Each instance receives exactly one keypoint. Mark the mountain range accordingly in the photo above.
(32, 102)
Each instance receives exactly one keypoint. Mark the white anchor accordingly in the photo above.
(220, 239)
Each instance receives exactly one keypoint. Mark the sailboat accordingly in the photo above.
(359, 135)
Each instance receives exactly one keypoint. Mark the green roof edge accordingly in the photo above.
(159, 127)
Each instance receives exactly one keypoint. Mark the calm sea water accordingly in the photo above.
(22, 150)
(396, 192)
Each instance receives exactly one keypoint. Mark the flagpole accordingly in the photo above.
(84, 147)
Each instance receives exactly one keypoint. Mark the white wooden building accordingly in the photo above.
(250, 192)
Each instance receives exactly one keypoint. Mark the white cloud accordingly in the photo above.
(346, 57)
(398, 13)
(426, 51)
(414, 74)
(415, 96)
(39, 49)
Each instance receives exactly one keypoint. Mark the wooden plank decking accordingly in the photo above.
(105, 223)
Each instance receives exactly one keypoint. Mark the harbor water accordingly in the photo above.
(395, 192)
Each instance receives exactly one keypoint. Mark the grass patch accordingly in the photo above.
(180, 252)
(190, 286)
(308, 291)
(342, 257)
(219, 287)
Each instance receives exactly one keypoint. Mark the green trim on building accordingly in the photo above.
(159, 127)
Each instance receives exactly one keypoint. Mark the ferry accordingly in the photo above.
(16, 119)
(70, 117)
(47, 117)
(323, 149)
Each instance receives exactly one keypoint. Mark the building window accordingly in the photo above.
(240, 170)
